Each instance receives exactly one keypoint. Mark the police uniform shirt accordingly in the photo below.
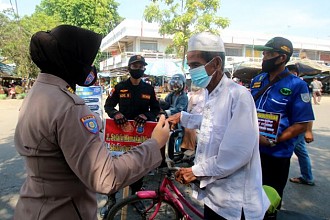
(133, 100)
(289, 97)
(66, 160)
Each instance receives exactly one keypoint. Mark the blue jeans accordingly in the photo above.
(303, 158)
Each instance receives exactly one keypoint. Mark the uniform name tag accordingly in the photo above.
(145, 96)
(125, 95)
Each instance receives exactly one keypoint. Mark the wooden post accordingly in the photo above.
(124, 210)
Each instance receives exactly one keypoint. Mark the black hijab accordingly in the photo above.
(67, 52)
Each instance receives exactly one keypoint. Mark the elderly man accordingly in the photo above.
(227, 159)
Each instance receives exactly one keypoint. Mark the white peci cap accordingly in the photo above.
(206, 41)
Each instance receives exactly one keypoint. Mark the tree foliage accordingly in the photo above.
(100, 16)
(182, 18)
(15, 37)
(15, 33)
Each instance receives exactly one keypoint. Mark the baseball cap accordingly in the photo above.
(277, 44)
(293, 67)
(137, 58)
(206, 41)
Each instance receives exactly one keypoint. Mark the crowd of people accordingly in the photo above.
(67, 161)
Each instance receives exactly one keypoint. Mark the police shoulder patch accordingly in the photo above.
(112, 91)
(90, 123)
(305, 97)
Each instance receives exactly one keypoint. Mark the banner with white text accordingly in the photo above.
(268, 124)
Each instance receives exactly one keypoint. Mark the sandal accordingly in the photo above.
(300, 180)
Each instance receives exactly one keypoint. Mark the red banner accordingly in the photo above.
(122, 139)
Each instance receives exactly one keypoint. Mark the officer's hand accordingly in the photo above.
(162, 112)
(120, 119)
(140, 120)
(161, 131)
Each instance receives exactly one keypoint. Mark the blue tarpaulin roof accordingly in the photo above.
(6, 69)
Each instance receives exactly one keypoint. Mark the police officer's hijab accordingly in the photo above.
(67, 52)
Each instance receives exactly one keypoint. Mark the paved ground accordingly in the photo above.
(312, 201)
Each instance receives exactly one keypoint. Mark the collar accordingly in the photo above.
(218, 88)
(53, 80)
(130, 82)
(285, 71)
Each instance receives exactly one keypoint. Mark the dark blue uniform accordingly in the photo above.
(133, 100)
(290, 97)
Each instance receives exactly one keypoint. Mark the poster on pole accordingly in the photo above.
(268, 124)
(120, 139)
(93, 98)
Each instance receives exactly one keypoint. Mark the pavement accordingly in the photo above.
(299, 202)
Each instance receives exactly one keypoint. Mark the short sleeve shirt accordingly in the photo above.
(290, 97)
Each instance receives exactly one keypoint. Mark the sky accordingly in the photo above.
(303, 18)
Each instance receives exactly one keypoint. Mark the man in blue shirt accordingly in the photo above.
(288, 96)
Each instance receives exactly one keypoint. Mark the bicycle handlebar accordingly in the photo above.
(170, 163)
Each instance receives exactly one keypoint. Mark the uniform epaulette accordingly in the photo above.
(70, 92)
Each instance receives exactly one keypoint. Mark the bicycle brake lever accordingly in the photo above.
(170, 164)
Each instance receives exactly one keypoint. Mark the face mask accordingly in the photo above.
(90, 78)
(136, 73)
(199, 77)
(269, 65)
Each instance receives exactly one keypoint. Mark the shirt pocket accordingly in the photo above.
(277, 104)
(217, 137)
(125, 99)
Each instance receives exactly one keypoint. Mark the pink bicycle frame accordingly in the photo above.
(165, 193)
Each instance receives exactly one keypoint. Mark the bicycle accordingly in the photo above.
(175, 152)
(165, 203)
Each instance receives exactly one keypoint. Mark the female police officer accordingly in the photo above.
(58, 135)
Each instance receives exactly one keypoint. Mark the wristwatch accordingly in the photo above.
(272, 142)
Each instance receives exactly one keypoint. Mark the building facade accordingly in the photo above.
(139, 37)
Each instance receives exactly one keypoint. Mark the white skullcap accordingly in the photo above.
(206, 41)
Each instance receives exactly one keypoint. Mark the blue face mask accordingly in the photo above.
(199, 76)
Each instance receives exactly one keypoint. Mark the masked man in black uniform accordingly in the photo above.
(137, 101)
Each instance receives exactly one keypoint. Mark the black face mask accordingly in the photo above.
(136, 73)
(269, 65)
(88, 78)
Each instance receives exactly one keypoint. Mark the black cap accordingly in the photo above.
(277, 44)
(137, 58)
(293, 67)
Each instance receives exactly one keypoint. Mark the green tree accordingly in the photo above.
(100, 16)
(15, 37)
(182, 18)
(15, 33)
